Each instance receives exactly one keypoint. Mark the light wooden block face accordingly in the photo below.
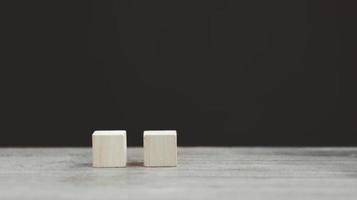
(160, 148)
(109, 148)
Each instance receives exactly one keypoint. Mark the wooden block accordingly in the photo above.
(160, 148)
(109, 148)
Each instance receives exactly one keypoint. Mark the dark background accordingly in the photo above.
(221, 72)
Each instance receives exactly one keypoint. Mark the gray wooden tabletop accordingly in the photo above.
(202, 173)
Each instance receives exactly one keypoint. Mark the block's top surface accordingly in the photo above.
(160, 132)
(110, 132)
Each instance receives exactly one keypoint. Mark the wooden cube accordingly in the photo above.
(109, 148)
(160, 148)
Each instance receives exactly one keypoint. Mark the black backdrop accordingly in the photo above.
(221, 72)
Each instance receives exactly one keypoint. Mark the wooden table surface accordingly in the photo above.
(202, 173)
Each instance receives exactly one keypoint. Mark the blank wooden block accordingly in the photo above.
(160, 148)
(109, 148)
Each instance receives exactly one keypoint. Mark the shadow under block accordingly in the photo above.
(109, 148)
(160, 148)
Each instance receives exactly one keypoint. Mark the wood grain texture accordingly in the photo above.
(202, 173)
(109, 148)
(160, 148)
